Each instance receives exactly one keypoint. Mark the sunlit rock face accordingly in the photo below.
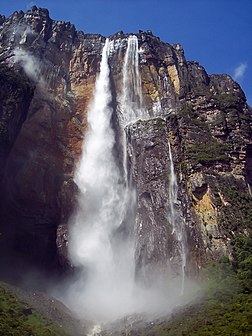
(205, 119)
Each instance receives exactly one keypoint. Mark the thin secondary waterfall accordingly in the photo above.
(175, 218)
(107, 271)
(131, 100)
(131, 97)
(132, 110)
(249, 189)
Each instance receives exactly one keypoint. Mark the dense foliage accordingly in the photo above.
(235, 198)
(18, 319)
(207, 153)
(243, 261)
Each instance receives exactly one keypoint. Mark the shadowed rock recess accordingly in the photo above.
(47, 76)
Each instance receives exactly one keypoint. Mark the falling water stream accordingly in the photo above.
(102, 208)
(131, 97)
(131, 108)
(175, 218)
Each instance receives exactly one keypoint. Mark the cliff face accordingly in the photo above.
(204, 119)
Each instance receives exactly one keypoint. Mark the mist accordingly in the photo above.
(32, 67)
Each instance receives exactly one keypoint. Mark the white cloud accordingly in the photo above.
(240, 71)
(30, 4)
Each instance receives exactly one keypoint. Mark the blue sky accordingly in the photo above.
(216, 33)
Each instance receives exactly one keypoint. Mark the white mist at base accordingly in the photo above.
(105, 288)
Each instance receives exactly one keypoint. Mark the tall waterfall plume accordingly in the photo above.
(107, 274)
(101, 244)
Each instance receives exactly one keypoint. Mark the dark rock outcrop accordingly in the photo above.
(15, 96)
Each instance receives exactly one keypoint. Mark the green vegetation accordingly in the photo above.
(192, 118)
(246, 121)
(237, 213)
(188, 112)
(219, 121)
(243, 261)
(204, 149)
(201, 90)
(225, 308)
(18, 319)
(210, 318)
(160, 123)
(208, 153)
(225, 100)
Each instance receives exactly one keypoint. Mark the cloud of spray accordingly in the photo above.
(240, 71)
(32, 67)
(102, 300)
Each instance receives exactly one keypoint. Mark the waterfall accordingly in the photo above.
(106, 262)
(175, 218)
(131, 97)
(132, 110)
(249, 189)
(131, 100)
(101, 244)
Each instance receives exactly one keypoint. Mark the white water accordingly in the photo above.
(131, 101)
(175, 218)
(131, 97)
(249, 189)
(102, 207)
